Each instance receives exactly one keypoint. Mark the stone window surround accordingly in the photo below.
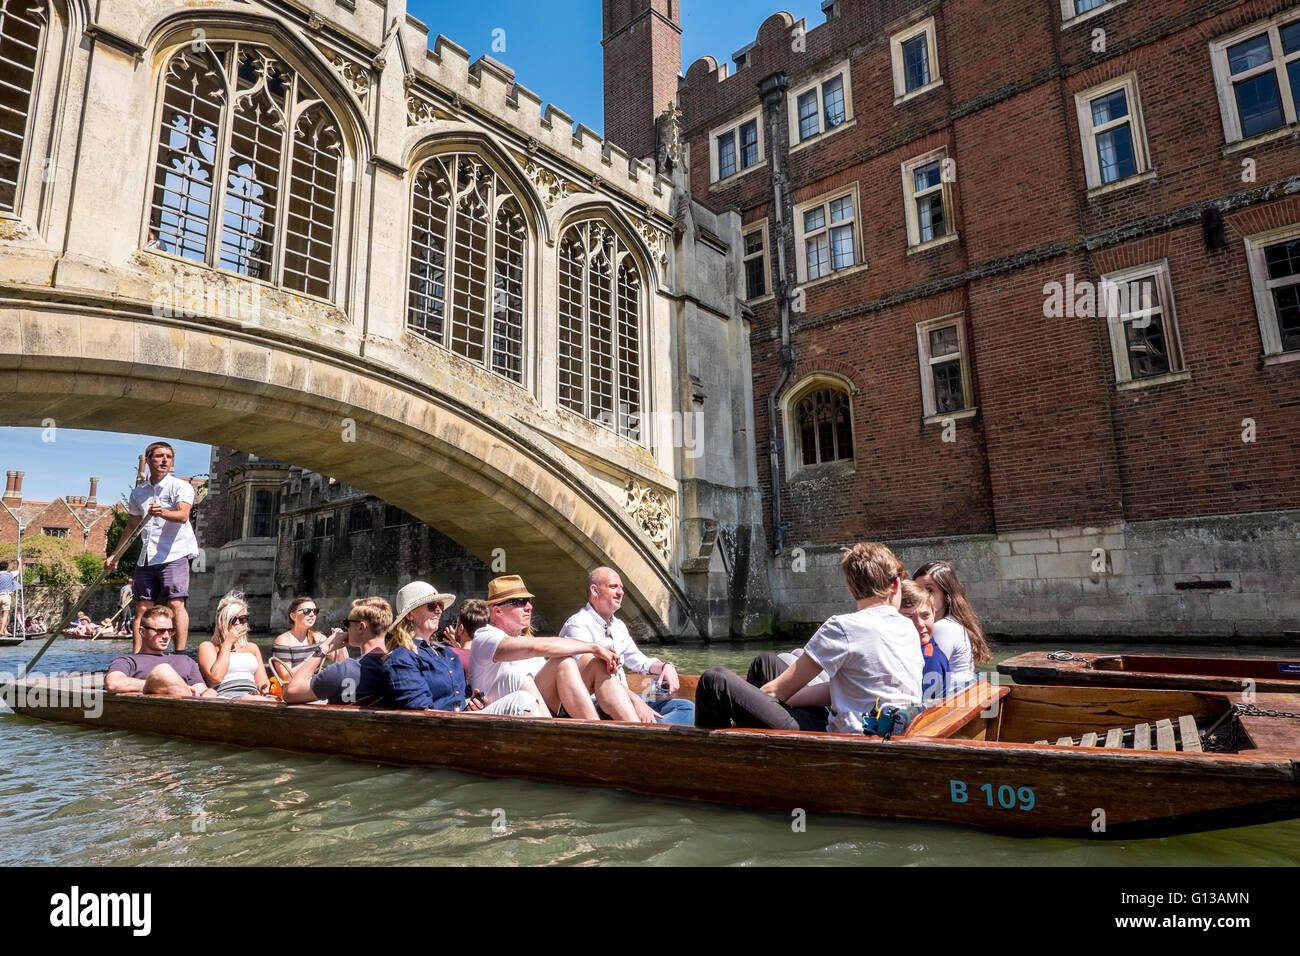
(733, 126)
(1137, 126)
(929, 413)
(343, 226)
(1069, 18)
(914, 242)
(1232, 132)
(1159, 270)
(759, 226)
(896, 41)
(812, 382)
(792, 106)
(801, 256)
(1264, 307)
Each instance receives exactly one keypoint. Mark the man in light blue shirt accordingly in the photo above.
(8, 586)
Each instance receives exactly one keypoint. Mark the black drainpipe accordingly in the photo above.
(772, 89)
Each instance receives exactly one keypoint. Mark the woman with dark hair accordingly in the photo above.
(956, 630)
(299, 642)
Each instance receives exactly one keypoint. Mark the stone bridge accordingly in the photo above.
(415, 281)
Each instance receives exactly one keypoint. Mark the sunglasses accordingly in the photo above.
(241, 619)
(159, 630)
(433, 608)
(308, 610)
(518, 602)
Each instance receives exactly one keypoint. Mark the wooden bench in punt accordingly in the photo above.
(1155, 670)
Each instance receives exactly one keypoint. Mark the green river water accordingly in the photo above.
(71, 795)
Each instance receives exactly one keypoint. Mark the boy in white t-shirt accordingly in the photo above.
(869, 654)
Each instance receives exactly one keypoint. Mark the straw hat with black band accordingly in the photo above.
(508, 587)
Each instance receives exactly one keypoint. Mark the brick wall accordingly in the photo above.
(642, 57)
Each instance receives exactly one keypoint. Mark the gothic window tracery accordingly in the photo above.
(469, 241)
(823, 426)
(21, 28)
(248, 167)
(600, 329)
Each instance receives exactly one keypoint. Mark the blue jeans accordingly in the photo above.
(674, 710)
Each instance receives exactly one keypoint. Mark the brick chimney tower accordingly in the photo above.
(643, 58)
(94, 490)
(14, 487)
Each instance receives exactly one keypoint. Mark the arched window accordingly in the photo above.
(822, 426)
(247, 172)
(600, 329)
(21, 23)
(469, 241)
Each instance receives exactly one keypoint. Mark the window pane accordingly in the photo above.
(748, 144)
(1283, 260)
(947, 386)
(20, 41)
(1110, 107)
(1286, 302)
(819, 257)
(929, 217)
(833, 99)
(1259, 104)
(755, 281)
(726, 155)
(1291, 37)
(841, 209)
(808, 115)
(843, 430)
(927, 176)
(1083, 6)
(916, 63)
(842, 246)
(753, 243)
(814, 219)
(1249, 54)
(807, 430)
(1293, 73)
(943, 342)
(1115, 154)
(1148, 353)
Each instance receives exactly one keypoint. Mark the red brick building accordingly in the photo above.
(1025, 282)
(80, 518)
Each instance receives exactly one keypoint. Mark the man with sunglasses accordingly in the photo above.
(567, 672)
(359, 681)
(148, 671)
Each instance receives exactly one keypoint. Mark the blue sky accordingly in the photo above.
(554, 46)
(554, 49)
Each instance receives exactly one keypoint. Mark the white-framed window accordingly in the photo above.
(1257, 73)
(820, 105)
(826, 235)
(469, 252)
(21, 38)
(818, 416)
(758, 277)
(915, 53)
(1075, 11)
(928, 198)
(1112, 132)
(736, 148)
(945, 366)
(1274, 260)
(1139, 307)
(600, 307)
(248, 167)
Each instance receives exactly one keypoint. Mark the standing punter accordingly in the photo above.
(167, 541)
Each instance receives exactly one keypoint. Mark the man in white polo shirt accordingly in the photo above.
(162, 575)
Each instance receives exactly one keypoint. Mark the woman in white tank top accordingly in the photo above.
(230, 662)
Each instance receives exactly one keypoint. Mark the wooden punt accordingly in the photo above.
(10, 641)
(1154, 670)
(1124, 763)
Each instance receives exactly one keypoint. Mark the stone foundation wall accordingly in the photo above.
(1218, 578)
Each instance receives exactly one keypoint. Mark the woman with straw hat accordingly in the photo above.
(422, 674)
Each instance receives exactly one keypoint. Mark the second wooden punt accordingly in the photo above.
(1155, 670)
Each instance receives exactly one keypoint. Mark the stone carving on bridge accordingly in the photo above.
(354, 76)
(650, 510)
(550, 187)
(419, 110)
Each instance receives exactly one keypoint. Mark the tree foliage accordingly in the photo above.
(125, 566)
(89, 564)
(48, 561)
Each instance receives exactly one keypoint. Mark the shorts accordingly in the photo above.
(6, 600)
(160, 583)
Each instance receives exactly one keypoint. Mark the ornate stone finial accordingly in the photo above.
(656, 239)
(354, 75)
(314, 22)
(668, 136)
(649, 509)
(550, 187)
